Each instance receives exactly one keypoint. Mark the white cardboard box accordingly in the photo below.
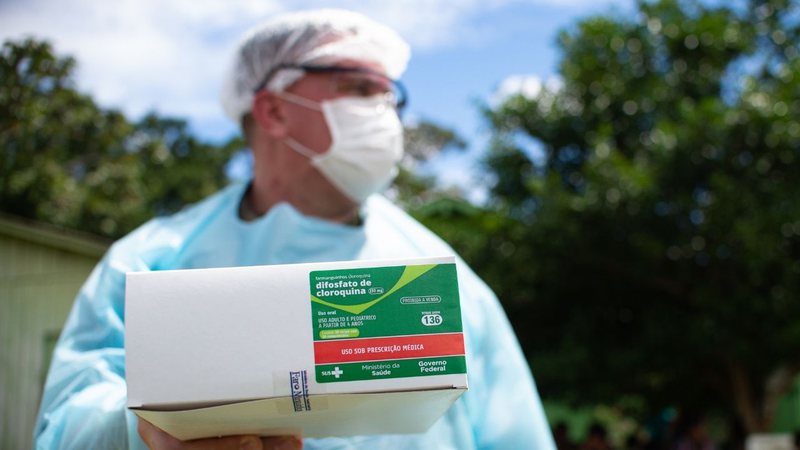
(325, 349)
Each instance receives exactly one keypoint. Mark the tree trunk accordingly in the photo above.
(747, 405)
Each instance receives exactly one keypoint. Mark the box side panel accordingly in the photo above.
(329, 415)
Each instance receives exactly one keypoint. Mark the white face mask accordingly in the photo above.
(366, 143)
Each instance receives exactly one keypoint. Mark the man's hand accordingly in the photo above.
(157, 439)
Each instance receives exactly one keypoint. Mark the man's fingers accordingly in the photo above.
(282, 443)
(245, 443)
(154, 437)
(225, 443)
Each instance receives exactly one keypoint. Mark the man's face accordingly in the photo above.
(290, 173)
(307, 125)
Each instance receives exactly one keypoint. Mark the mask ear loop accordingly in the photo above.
(290, 141)
(302, 149)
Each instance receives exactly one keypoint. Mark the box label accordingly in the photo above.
(386, 322)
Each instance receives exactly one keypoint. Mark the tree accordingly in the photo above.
(652, 250)
(71, 163)
(422, 140)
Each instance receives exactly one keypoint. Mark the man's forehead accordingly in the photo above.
(374, 72)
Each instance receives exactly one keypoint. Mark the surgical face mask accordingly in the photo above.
(366, 143)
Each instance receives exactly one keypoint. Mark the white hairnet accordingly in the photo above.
(319, 37)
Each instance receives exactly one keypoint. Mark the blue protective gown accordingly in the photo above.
(84, 401)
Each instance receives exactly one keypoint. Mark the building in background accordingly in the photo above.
(41, 270)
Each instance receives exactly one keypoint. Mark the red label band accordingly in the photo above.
(374, 349)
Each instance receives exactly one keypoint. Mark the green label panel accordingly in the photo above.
(400, 368)
(385, 301)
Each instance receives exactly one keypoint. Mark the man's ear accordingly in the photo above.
(269, 114)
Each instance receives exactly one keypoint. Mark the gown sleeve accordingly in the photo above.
(84, 399)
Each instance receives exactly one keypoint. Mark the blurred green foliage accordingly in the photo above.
(422, 141)
(643, 229)
(69, 162)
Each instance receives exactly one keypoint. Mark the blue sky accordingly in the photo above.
(169, 56)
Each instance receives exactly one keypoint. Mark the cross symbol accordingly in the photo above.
(337, 371)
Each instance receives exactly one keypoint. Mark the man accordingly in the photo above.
(316, 97)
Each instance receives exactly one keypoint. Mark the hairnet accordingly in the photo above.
(310, 37)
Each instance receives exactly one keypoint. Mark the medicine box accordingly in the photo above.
(322, 349)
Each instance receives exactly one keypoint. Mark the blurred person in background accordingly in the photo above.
(691, 433)
(596, 438)
(561, 436)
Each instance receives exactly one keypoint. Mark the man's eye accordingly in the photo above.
(362, 88)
